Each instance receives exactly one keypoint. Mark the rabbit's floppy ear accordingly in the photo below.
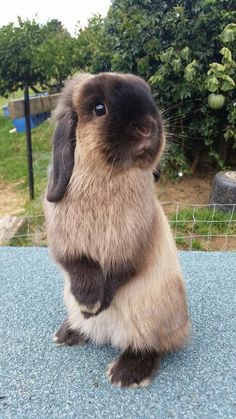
(64, 140)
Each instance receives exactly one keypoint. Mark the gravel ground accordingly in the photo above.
(40, 380)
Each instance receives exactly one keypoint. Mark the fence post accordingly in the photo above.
(28, 142)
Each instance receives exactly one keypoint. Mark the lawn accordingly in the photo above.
(204, 228)
(14, 172)
(13, 163)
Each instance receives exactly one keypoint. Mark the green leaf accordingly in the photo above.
(229, 134)
(177, 65)
(212, 84)
(228, 83)
(167, 55)
(226, 54)
(185, 53)
(190, 71)
(229, 33)
(218, 67)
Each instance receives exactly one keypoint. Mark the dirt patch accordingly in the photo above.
(221, 243)
(12, 201)
(188, 190)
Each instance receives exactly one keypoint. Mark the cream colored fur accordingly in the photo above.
(103, 215)
(104, 221)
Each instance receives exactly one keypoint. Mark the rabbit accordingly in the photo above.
(106, 229)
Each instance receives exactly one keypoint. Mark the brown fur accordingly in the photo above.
(133, 368)
(109, 213)
(67, 336)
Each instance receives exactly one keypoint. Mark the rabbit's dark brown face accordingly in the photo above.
(108, 121)
(118, 115)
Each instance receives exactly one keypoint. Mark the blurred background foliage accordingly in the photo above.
(185, 50)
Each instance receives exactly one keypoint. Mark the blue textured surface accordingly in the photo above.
(40, 380)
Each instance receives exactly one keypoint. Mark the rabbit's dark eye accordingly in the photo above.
(100, 109)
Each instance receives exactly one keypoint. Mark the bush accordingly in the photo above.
(186, 50)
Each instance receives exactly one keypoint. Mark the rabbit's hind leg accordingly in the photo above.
(133, 368)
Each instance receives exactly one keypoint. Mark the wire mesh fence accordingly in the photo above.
(194, 226)
(23, 231)
(203, 227)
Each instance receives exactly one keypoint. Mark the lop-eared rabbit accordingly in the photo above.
(106, 229)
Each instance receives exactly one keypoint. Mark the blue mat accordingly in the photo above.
(41, 380)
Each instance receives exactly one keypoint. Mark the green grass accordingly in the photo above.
(208, 222)
(201, 220)
(14, 171)
(197, 245)
(13, 163)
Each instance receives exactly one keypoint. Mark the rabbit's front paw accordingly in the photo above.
(89, 301)
(90, 310)
(86, 284)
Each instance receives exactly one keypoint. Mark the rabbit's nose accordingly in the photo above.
(146, 126)
(145, 132)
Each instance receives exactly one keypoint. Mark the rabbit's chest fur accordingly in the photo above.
(102, 218)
